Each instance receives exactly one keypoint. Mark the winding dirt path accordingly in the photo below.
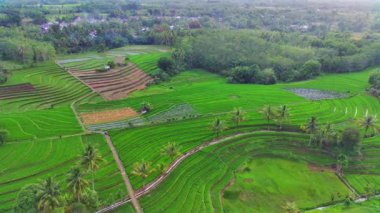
(127, 182)
(152, 185)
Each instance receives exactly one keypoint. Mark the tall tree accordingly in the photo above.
(282, 115)
(171, 150)
(269, 113)
(218, 127)
(49, 196)
(326, 135)
(238, 116)
(77, 183)
(311, 127)
(90, 161)
(368, 123)
(142, 169)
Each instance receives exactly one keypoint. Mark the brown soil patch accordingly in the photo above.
(248, 180)
(107, 116)
(315, 168)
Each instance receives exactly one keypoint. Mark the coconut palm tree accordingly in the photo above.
(311, 127)
(90, 161)
(268, 113)
(160, 167)
(237, 116)
(282, 114)
(142, 169)
(327, 135)
(218, 127)
(77, 183)
(368, 123)
(171, 150)
(49, 195)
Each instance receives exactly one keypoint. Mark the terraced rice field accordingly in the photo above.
(15, 91)
(115, 84)
(234, 176)
(148, 62)
(196, 186)
(31, 161)
(52, 87)
(197, 89)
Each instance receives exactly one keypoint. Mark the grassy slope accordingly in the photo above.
(284, 181)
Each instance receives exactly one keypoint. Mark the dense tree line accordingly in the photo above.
(25, 50)
(374, 81)
(248, 56)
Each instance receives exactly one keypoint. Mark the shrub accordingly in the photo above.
(146, 107)
(266, 76)
(310, 69)
(111, 64)
(244, 74)
(166, 64)
(3, 77)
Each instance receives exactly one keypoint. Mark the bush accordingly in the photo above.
(267, 76)
(27, 199)
(3, 77)
(111, 64)
(310, 69)
(244, 74)
(166, 64)
(350, 138)
(374, 81)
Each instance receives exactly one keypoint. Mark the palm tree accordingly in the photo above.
(268, 113)
(291, 207)
(282, 114)
(341, 162)
(171, 150)
(49, 195)
(311, 127)
(160, 167)
(237, 116)
(327, 135)
(368, 122)
(142, 169)
(218, 127)
(90, 161)
(77, 183)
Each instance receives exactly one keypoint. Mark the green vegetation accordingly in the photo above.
(210, 106)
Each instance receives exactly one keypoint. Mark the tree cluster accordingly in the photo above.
(254, 56)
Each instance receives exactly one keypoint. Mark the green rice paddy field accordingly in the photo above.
(260, 170)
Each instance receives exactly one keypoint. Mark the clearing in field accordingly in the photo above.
(115, 84)
(107, 116)
(314, 94)
(284, 181)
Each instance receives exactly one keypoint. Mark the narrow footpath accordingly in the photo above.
(127, 182)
